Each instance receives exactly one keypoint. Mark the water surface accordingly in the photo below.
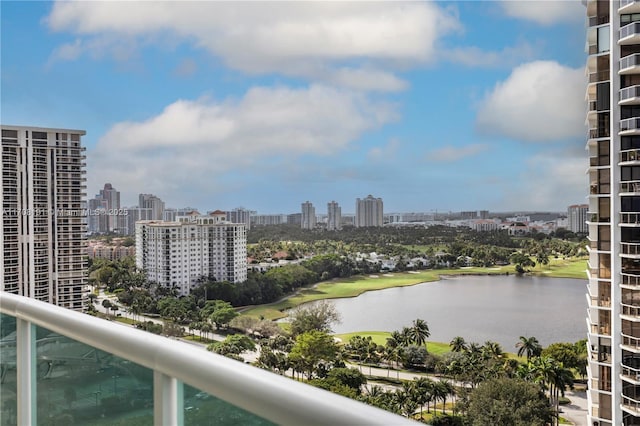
(478, 308)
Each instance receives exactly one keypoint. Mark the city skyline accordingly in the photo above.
(429, 108)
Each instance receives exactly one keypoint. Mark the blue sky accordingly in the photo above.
(442, 106)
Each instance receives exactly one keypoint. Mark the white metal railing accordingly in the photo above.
(270, 396)
(630, 310)
(631, 249)
(630, 186)
(630, 341)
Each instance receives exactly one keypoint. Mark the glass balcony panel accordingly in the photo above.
(629, 64)
(79, 384)
(201, 408)
(8, 396)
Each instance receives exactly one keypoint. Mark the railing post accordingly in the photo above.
(26, 372)
(168, 400)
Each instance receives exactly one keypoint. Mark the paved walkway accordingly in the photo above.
(575, 412)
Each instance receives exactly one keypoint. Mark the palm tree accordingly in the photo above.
(440, 392)
(529, 346)
(424, 387)
(492, 349)
(419, 332)
(458, 344)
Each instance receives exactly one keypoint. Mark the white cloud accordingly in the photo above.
(549, 181)
(539, 102)
(476, 57)
(191, 143)
(293, 38)
(545, 12)
(450, 154)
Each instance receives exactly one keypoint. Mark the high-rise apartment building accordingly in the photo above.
(308, 215)
(240, 215)
(43, 221)
(150, 201)
(613, 143)
(369, 212)
(577, 218)
(334, 216)
(104, 214)
(180, 253)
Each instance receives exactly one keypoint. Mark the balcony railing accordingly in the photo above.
(629, 30)
(630, 155)
(631, 342)
(630, 61)
(631, 249)
(630, 92)
(630, 218)
(596, 77)
(630, 310)
(598, 20)
(630, 280)
(630, 186)
(599, 133)
(631, 373)
(629, 124)
(172, 365)
(630, 404)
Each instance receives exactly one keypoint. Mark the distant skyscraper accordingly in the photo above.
(43, 221)
(369, 212)
(150, 201)
(308, 216)
(240, 215)
(577, 216)
(334, 216)
(103, 213)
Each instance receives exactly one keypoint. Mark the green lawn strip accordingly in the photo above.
(356, 285)
(196, 338)
(380, 338)
(126, 320)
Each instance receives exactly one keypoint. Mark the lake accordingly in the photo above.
(478, 308)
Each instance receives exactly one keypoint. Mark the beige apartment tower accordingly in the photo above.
(613, 219)
(43, 219)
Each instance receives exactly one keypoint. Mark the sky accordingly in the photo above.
(431, 106)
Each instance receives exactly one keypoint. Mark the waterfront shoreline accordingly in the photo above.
(357, 285)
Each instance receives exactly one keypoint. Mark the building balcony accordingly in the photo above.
(61, 364)
(629, 6)
(594, 21)
(629, 34)
(629, 219)
(630, 126)
(629, 156)
(630, 250)
(630, 343)
(629, 95)
(630, 187)
(630, 312)
(630, 64)
(594, 301)
(630, 405)
(596, 133)
(630, 280)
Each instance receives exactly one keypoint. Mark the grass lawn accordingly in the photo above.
(563, 268)
(126, 320)
(196, 338)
